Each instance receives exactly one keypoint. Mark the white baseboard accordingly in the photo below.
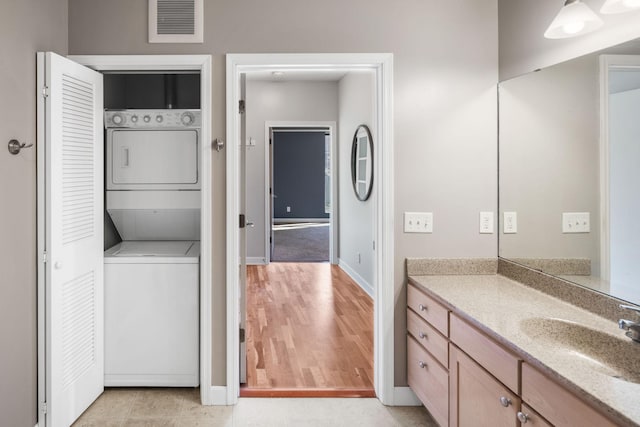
(256, 260)
(296, 220)
(356, 277)
(217, 396)
(404, 396)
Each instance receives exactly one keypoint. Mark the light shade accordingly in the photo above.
(574, 19)
(619, 6)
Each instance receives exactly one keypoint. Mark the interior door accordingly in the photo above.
(72, 155)
(243, 231)
(272, 196)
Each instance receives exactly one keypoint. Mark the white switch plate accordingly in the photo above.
(576, 222)
(418, 222)
(486, 222)
(510, 223)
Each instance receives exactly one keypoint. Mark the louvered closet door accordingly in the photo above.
(74, 221)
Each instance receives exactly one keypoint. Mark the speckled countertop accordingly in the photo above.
(517, 316)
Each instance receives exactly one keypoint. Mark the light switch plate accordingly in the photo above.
(418, 222)
(486, 222)
(576, 222)
(510, 223)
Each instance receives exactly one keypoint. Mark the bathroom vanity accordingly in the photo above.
(485, 347)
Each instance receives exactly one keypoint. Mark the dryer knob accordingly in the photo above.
(134, 119)
(159, 119)
(117, 119)
(146, 118)
(187, 118)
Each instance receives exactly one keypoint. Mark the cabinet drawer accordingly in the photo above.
(429, 381)
(499, 362)
(559, 406)
(431, 311)
(532, 418)
(428, 337)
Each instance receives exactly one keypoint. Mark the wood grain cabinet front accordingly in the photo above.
(476, 398)
(428, 337)
(430, 310)
(429, 381)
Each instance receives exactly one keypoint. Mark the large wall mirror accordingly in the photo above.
(569, 170)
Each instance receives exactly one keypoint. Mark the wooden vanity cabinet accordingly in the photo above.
(476, 398)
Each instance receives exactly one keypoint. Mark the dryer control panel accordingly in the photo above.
(152, 119)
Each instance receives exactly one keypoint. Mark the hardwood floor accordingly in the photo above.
(309, 332)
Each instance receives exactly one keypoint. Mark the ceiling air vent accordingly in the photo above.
(175, 21)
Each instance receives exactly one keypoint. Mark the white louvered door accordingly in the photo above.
(74, 238)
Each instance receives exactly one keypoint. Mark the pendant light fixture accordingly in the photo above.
(574, 19)
(619, 6)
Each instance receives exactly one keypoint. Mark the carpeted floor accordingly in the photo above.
(301, 242)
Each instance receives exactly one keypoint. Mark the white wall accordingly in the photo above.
(624, 133)
(445, 72)
(26, 26)
(549, 160)
(277, 101)
(357, 106)
(523, 47)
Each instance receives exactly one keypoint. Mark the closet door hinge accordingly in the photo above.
(241, 335)
(44, 257)
(241, 106)
(44, 407)
(45, 91)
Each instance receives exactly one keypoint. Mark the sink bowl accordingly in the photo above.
(614, 356)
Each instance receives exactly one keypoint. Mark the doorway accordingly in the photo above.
(54, 406)
(381, 66)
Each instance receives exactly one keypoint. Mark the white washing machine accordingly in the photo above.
(152, 314)
(152, 277)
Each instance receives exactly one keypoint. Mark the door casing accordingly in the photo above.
(203, 65)
(382, 66)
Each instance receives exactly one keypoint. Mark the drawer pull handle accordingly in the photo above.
(422, 307)
(422, 335)
(422, 364)
(522, 417)
(505, 401)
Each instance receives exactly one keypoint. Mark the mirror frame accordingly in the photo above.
(362, 131)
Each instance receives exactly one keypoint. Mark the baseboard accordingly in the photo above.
(217, 396)
(404, 396)
(296, 220)
(256, 260)
(356, 277)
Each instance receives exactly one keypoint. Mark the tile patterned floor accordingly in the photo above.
(167, 407)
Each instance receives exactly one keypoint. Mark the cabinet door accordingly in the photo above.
(476, 398)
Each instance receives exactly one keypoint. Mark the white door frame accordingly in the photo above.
(382, 66)
(607, 64)
(333, 216)
(201, 64)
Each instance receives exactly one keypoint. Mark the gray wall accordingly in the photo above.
(283, 101)
(523, 47)
(299, 174)
(357, 106)
(26, 26)
(445, 70)
(549, 160)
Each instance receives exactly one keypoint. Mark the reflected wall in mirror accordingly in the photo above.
(569, 167)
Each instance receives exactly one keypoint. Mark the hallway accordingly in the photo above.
(309, 328)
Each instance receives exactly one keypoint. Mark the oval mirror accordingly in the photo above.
(362, 162)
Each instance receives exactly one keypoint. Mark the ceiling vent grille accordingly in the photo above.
(175, 21)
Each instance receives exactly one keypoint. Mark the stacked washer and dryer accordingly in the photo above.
(152, 276)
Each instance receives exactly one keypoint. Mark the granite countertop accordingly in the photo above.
(515, 315)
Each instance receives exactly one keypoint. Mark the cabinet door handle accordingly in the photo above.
(522, 417)
(422, 335)
(422, 307)
(505, 401)
(422, 364)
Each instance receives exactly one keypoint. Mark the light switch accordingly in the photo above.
(576, 222)
(510, 223)
(486, 222)
(418, 222)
